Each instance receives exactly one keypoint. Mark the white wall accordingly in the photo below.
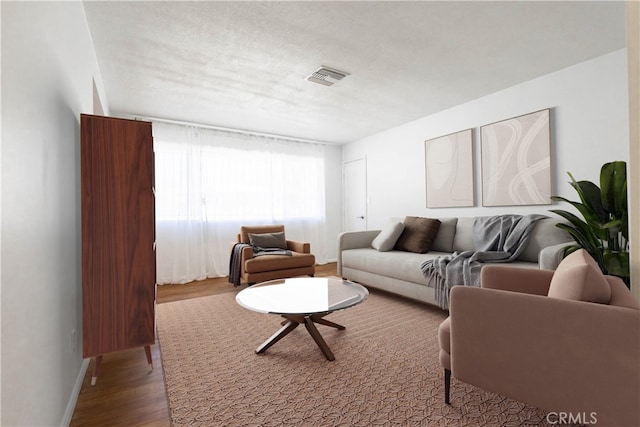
(333, 201)
(589, 115)
(48, 69)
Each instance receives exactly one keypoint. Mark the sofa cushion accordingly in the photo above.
(399, 265)
(578, 277)
(268, 240)
(418, 234)
(394, 264)
(386, 240)
(444, 239)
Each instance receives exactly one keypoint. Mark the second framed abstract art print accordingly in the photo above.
(516, 161)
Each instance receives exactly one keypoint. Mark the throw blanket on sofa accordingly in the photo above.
(499, 238)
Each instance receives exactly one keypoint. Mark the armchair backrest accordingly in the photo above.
(620, 294)
(243, 236)
(578, 277)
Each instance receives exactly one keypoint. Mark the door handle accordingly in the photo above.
(360, 217)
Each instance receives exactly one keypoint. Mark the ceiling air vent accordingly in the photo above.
(326, 76)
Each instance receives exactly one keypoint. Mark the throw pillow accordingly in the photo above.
(578, 277)
(268, 240)
(386, 240)
(418, 234)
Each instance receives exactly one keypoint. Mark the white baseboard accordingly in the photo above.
(73, 399)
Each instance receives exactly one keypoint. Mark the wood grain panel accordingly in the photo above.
(118, 232)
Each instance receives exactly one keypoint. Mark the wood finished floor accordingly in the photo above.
(127, 393)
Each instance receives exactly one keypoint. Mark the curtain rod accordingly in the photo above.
(219, 128)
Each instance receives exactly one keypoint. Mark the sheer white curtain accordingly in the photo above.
(209, 183)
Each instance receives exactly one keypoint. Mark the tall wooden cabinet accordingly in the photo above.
(118, 236)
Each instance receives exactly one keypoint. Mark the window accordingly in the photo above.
(210, 183)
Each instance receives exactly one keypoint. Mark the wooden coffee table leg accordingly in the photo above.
(313, 331)
(282, 332)
(291, 322)
(322, 321)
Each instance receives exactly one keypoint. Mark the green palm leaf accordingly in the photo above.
(603, 230)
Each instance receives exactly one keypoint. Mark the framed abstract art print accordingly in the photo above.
(449, 170)
(516, 161)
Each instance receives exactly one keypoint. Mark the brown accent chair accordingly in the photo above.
(564, 341)
(269, 267)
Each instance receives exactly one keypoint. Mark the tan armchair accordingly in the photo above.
(254, 269)
(533, 336)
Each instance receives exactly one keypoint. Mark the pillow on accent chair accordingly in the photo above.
(386, 240)
(268, 240)
(578, 277)
(418, 234)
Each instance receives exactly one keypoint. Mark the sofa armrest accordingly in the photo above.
(301, 247)
(354, 240)
(549, 258)
(516, 279)
(554, 354)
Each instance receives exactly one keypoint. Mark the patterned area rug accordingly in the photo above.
(386, 370)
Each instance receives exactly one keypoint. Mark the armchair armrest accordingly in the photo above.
(354, 240)
(557, 355)
(516, 279)
(301, 247)
(247, 253)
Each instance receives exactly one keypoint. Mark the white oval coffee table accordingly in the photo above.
(302, 300)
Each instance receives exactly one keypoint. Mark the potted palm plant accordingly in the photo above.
(603, 230)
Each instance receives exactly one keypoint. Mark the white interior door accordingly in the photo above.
(355, 195)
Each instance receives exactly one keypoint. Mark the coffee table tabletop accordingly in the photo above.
(302, 300)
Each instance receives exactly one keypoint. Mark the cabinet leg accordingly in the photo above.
(147, 350)
(96, 369)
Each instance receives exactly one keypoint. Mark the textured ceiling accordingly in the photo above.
(243, 64)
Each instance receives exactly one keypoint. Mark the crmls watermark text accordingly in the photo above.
(572, 418)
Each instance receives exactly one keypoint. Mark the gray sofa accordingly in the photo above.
(399, 271)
